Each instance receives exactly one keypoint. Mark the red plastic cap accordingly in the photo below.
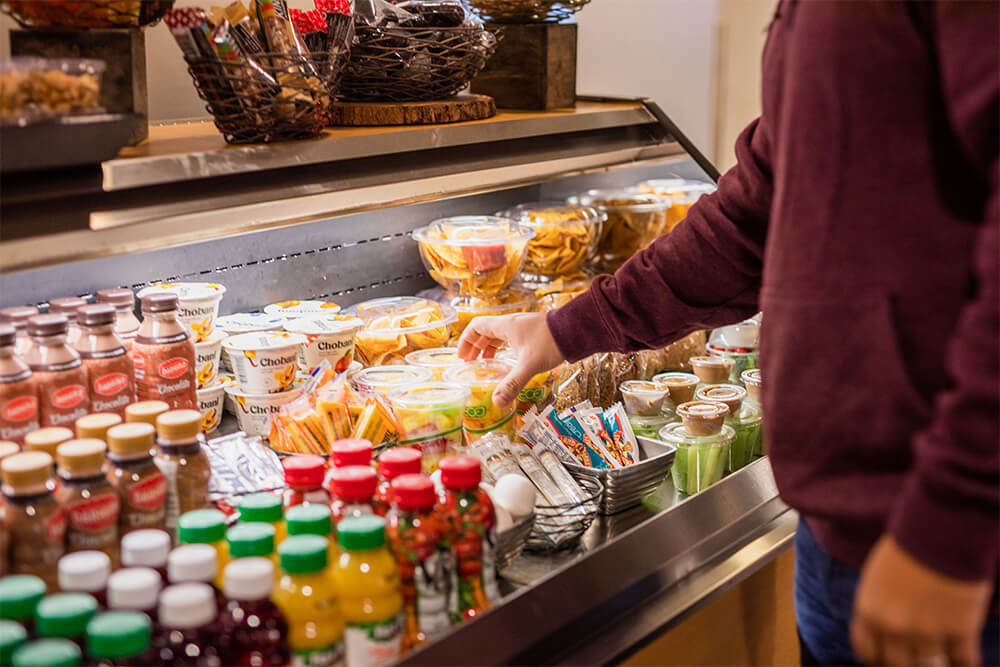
(413, 492)
(304, 470)
(353, 482)
(399, 461)
(351, 452)
(460, 472)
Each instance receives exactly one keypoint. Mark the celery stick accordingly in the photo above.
(679, 469)
(694, 469)
(741, 451)
(715, 461)
(758, 440)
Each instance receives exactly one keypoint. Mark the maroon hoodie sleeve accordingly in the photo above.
(705, 273)
(946, 516)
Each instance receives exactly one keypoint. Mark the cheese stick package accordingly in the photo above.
(554, 466)
(534, 470)
(493, 449)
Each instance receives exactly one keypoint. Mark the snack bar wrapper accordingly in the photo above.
(619, 428)
(577, 438)
(246, 30)
(339, 21)
(311, 26)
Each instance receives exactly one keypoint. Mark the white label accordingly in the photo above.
(330, 656)
(431, 581)
(374, 644)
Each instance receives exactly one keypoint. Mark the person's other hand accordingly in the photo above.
(528, 336)
(908, 614)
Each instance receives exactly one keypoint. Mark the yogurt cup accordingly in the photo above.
(643, 398)
(227, 402)
(198, 305)
(264, 363)
(210, 401)
(241, 323)
(254, 411)
(294, 309)
(207, 354)
(329, 339)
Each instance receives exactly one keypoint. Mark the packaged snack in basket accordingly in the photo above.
(623, 443)
(493, 449)
(279, 33)
(312, 28)
(430, 418)
(576, 438)
(482, 415)
(246, 30)
(376, 423)
(597, 437)
(551, 493)
(557, 471)
(565, 237)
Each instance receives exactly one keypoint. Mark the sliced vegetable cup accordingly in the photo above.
(481, 414)
(430, 417)
(702, 417)
(700, 460)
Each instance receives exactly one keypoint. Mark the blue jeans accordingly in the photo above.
(824, 598)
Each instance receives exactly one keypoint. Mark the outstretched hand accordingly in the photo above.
(528, 336)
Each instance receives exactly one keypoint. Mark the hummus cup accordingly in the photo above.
(681, 386)
(210, 400)
(207, 354)
(751, 380)
(264, 363)
(703, 417)
(254, 411)
(712, 370)
(198, 305)
(330, 339)
(730, 394)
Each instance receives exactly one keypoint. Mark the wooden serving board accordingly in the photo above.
(452, 110)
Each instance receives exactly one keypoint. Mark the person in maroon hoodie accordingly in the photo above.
(863, 219)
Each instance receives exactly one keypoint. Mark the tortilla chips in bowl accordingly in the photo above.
(565, 237)
(395, 326)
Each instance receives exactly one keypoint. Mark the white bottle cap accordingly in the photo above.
(249, 579)
(192, 562)
(145, 548)
(134, 588)
(84, 572)
(184, 606)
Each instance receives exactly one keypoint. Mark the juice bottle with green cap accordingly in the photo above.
(307, 596)
(120, 639)
(48, 653)
(12, 635)
(252, 540)
(264, 508)
(368, 584)
(19, 596)
(65, 616)
(206, 527)
(313, 519)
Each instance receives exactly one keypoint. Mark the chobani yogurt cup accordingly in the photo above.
(254, 411)
(199, 305)
(206, 357)
(294, 309)
(227, 402)
(240, 323)
(264, 363)
(210, 403)
(330, 339)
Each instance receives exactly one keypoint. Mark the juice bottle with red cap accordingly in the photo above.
(304, 480)
(415, 532)
(468, 512)
(350, 452)
(353, 491)
(391, 464)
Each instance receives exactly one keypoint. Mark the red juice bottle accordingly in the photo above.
(86, 572)
(304, 480)
(147, 548)
(195, 563)
(189, 631)
(350, 452)
(391, 464)
(353, 490)
(253, 631)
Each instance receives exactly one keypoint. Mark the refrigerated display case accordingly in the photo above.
(330, 219)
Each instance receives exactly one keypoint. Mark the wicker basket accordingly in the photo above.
(415, 64)
(88, 14)
(561, 526)
(527, 11)
(511, 542)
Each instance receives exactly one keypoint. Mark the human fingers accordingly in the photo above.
(896, 650)
(512, 384)
(864, 641)
(480, 333)
(965, 651)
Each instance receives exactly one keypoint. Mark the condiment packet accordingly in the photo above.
(493, 449)
(242, 464)
(571, 429)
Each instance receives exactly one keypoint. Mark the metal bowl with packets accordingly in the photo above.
(624, 488)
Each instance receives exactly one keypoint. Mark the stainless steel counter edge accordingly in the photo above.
(605, 603)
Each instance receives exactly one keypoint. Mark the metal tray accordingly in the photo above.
(625, 487)
(65, 141)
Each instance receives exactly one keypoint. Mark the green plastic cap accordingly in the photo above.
(251, 539)
(114, 635)
(48, 653)
(309, 519)
(12, 635)
(265, 507)
(201, 527)
(64, 615)
(19, 595)
(360, 533)
(303, 554)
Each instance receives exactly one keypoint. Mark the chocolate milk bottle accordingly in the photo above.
(67, 306)
(109, 366)
(17, 317)
(36, 523)
(126, 323)
(18, 393)
(163, 355)
(59, 373)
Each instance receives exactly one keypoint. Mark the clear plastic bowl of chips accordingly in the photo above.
(473, 255)
(395, 326)
(505, 302)
(566, 236)
(634, 220)
(681, 192)
(33, 88)
(559, 292)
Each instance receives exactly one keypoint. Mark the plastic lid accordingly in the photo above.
(399, 461)
(249, 579)
(265, 507)
(201, 527)
(353, 482)
(96, 425)
(730, 394)
(508, 300)
(435, 357)
(550, 213)
(7, 335)
(48, 653)
(303, 554)
(351, 452)
(19, 595)
(80, 458)
(64, 614)
(67, 306)
(158, 302)
(751, 377)
(309, 519)
(48, 325)
(134, 588)
(430, 396)
(189, 605)
(264, 340)
(360, 533)
(251, 539)
(480, 373)
(304, 470)
(131, 440)
(84, 572)
(178, 425)
(677, 434)
(460, 472)
(622, 199)
(473, 230)
(27, 472)
(96, 315)
(145, 548)
(401, 315)
(117, 296)
(702, 417)
(302, 307)
(17, 316)
(192, 562)
(187, 291)
(413, 492)
(12, 635)
(326, 324)
(238, 323)
(118, 634)
(383, 378)
(8, 448)
(145, 411)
